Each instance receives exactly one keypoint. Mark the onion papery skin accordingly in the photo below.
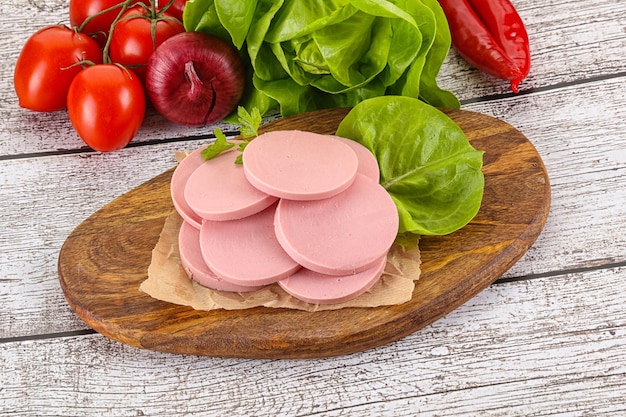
(215, 66)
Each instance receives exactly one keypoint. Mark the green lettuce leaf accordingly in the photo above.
(429, 90)
(199, 14)
(427, 165)
(236, 16)
(305, 55)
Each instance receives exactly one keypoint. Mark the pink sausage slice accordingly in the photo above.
(299, 165)
(177, 186)
(368, 165)
(218, 190)
(341, 235)
(316, 288)
(245, 251)
(196, 268)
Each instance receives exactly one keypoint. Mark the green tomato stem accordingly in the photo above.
(105, 51)
(81, 28)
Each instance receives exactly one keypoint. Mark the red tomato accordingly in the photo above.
(176, 9)
(99, 26)
(132, 42)
(47, 65)
(106, 105)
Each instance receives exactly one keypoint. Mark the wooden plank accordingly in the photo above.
(33, 233)
(485, 358)
(26, 132)
(570, 41)
(568, 44)
(563, 124)
(535, 347)
(33, 194)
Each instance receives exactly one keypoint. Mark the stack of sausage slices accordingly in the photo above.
(304, 210)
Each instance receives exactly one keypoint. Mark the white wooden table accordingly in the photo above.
(548, 338)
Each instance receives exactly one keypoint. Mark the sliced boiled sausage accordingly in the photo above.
(289, 164)
(341, 235)
(194, 265)
(246, 251)
(316, 288)
(368, 165)
(181, 174)
(218, 190)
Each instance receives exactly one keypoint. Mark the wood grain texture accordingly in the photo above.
(105, 259)
(506, 352)
(69, 188)
(563, 52)
(547, 340)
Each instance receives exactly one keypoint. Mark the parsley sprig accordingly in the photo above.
(250, 123)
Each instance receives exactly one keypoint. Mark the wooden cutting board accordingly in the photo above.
(105, 259)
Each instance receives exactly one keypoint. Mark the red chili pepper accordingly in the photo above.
(508, 30)
(490, 35)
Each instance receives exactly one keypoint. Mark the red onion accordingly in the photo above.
(195, 79)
